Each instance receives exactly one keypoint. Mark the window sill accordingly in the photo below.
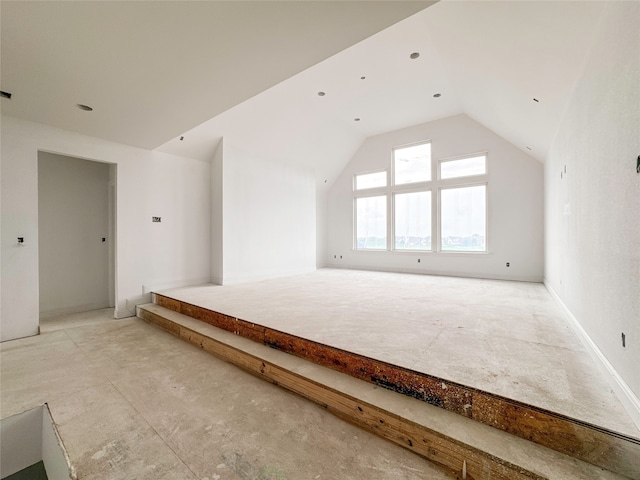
(423, 252)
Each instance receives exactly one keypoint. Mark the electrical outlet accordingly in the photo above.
(508, 264)
(156, 219)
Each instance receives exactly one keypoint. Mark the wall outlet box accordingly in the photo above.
(156, 219)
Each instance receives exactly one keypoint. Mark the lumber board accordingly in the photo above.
(454, 456)
(590, 443)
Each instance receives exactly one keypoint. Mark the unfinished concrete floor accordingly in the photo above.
(506, 338)
(132, 401)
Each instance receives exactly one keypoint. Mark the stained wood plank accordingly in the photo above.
(449, 453)
(595, 445)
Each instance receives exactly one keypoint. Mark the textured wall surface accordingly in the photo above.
(592, 193)
(173, 252)
(514, 208)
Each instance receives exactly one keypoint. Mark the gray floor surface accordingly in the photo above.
(132, 401)
(508, 338)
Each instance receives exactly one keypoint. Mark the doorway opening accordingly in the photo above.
(76, 235)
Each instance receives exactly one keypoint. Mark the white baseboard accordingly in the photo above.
(131, 304)
(264, 275)
(119, 314)
(154, 287)
(626, 396)
(57, 312)
(438, 273)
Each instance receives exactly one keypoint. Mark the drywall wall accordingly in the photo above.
(174, 252)
(321, 228)
(514, 209)
(269, 215)
(20, 441)
(73, 220)
(54, 455)
(592, 194)
(216, 215)
(28, 438)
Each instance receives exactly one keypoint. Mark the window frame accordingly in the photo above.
(435, 186)
(392, 171)
(440, 161)
(392, 242)
(370, 194)
(379, 170)
(486, 216)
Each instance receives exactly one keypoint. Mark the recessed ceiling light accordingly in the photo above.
(414, 55)
(356, 119)
(321, 94)
(86, 108)
(437, 95)
(536, 100)
(4, 94)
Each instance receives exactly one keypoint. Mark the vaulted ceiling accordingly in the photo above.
(251, 72)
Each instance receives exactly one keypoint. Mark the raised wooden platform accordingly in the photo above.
(579, 440)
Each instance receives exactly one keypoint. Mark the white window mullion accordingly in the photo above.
(390, 206)
(435, 211)
(390, 221)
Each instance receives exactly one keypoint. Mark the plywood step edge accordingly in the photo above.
(463, 446)
(587, 442)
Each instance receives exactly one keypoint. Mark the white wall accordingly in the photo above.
(173, 252)
(592, 218)
(28, 438)
(54, 455)
(217, 274)
(73, 217)
(515, 205)
(321, 229)
(269, 217)
(20, 441)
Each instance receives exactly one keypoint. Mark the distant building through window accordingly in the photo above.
(429, 206)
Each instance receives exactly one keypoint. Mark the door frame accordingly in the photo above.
(112, 200)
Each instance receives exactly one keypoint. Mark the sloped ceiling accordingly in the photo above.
(154, 69)
(251, 71)
(500, 56)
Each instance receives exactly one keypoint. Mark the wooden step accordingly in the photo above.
(466, 448)
(589, 443)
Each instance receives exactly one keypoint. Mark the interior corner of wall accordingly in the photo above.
(122, 313)
(627, 397)
(131, 304)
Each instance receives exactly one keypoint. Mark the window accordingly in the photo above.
(463, 167)
(413, 221)
(428, 207)
(371, 226)
(371, 180)
(463, 219)
(412, 164)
